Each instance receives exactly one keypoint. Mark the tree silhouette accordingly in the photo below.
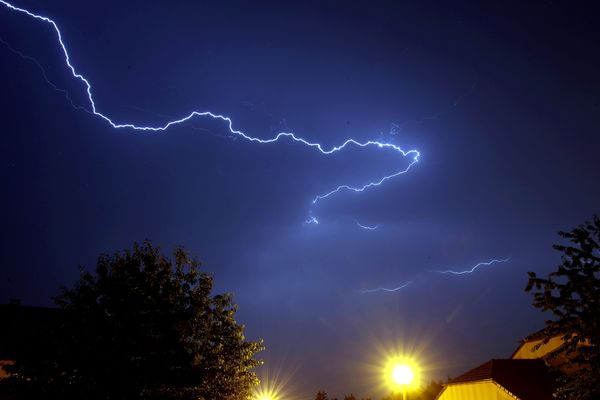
(321, 395)
(572, 295)
(142, 326)
(425, 392)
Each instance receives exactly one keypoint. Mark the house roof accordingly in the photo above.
(526, 379)
(484, 371)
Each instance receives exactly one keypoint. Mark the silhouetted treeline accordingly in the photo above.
(426, 392)
(141, 326)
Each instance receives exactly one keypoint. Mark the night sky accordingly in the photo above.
(501, 101)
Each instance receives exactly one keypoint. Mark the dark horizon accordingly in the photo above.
(502, 102)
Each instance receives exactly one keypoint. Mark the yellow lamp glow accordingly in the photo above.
(402, 374)
(273, 385)
(265, 395)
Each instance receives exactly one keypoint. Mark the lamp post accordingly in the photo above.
(402, 375)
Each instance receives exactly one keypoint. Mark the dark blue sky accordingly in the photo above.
(502, 101)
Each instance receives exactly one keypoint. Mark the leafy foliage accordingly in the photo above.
(140, 327)
(572, 295)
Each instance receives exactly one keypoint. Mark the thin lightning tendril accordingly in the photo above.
(312, 220)
(470, 271)
(414, 154)
(44, 74)
(366, 227)
(398, 128)
(382, 289)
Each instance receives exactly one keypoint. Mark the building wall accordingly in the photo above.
(484, 390)
(525, 351)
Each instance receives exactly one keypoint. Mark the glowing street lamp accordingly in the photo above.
(265, 395)
(403, 376)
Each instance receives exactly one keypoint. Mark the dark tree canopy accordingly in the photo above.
(142, 326)
(572, 295)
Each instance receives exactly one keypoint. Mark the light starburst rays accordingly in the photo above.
(413, 155)
(390, 343)
(276, 382)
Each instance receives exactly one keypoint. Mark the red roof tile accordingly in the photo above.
(526, 379)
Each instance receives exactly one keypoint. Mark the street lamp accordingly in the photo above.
(402, 375)
(265, 395)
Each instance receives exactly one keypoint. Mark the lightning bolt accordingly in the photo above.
(382, 289)
(311, 220)
(366, 227)
(362, 188)
(398, 128)
(44, 74)
(470, 271)
(412, 154)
